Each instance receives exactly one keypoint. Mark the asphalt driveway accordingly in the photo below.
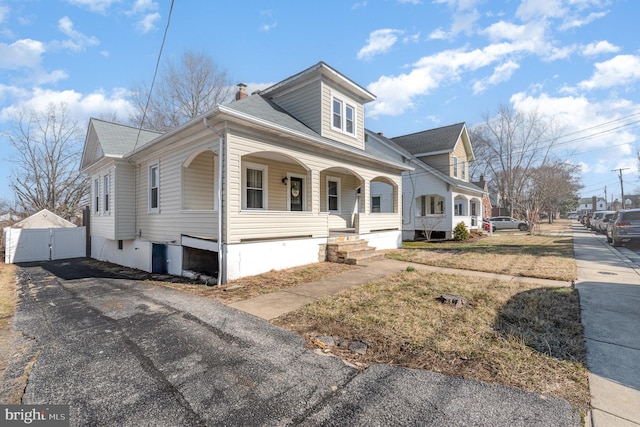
(124, 352)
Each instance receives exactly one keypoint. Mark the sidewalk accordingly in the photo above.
(270, 306)
(609, 287)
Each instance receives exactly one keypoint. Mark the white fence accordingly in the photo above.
(43, 244)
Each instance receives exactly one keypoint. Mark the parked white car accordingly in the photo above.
(508, 223)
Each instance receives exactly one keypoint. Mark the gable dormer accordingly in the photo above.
(326, 101)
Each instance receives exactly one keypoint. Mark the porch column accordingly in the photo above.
(315, 191)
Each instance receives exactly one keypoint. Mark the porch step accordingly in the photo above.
(355, 252)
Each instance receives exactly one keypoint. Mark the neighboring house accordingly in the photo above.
(591, 204)
(262, 183)
(438, 195)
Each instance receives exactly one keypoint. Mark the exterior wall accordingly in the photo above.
(328, 91)
(123, 196)
(276, 222)
(134, 253)
(461, 154)
(442, 162)
(384, 239)
(303, 104)
(271, 255)
(102, 223)
(171, 220)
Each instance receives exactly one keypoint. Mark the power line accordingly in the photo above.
(155, 74)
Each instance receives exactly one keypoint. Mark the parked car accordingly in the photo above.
(604, 221)
(624, 227)
(597, 221)
(508, 223)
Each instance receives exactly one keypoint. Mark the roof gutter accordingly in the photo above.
(222, 271)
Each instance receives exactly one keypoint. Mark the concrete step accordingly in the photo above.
(353, 252)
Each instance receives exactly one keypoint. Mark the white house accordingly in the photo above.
(437, 192)
(264, 182)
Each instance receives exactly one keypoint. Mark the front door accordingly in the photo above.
(296, 194)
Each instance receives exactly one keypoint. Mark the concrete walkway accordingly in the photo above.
(609, 286)
(270, 306)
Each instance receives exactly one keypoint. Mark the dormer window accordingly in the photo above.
(344, 117)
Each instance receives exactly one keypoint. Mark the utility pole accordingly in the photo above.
(621, 185)
(605, 198)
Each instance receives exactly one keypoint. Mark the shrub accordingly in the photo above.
(461, 232)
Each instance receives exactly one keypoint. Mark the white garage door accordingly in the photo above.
(44, 244)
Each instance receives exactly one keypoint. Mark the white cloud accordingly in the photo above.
(618, 71)
(379, 42)
(603, 46)
(574, 22)
(142, 6)
(359, 5)
(501, 73)
(148, 22)
(21, 53)
(100, 6)
(81, 106)
(77, 41)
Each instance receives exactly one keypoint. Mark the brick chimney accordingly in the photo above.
(242, 92)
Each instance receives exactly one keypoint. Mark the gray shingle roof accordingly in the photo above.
(432, 140)
(118, 140)
(261, 107)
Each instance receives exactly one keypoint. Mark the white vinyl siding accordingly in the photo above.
(123, 202)
(199, 180)
(356, 117)
(304, 104)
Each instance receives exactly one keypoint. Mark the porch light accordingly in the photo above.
(285, 180)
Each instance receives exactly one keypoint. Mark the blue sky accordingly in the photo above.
(431, 63)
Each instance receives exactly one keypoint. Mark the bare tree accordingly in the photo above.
(184, 90)
(429, 224)
(510, 145)
(47, 153)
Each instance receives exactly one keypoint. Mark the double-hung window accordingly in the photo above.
(255, 186)
(333, 194)
(105, 206)
(96, 195)
(343, 117)
(154, 187)
(455, 167)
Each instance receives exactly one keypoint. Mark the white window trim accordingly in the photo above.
(463, 204)
(343, 116)
(149, 188)
(463, 170)
(265, 187)
(106, 194)
(304, 189)
(455, 167)
(339, 181)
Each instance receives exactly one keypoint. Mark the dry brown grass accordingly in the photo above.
(272, 281)
(7, 294)
(547, 254)
(513, 334)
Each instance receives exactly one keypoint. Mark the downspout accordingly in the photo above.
(221, 279)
